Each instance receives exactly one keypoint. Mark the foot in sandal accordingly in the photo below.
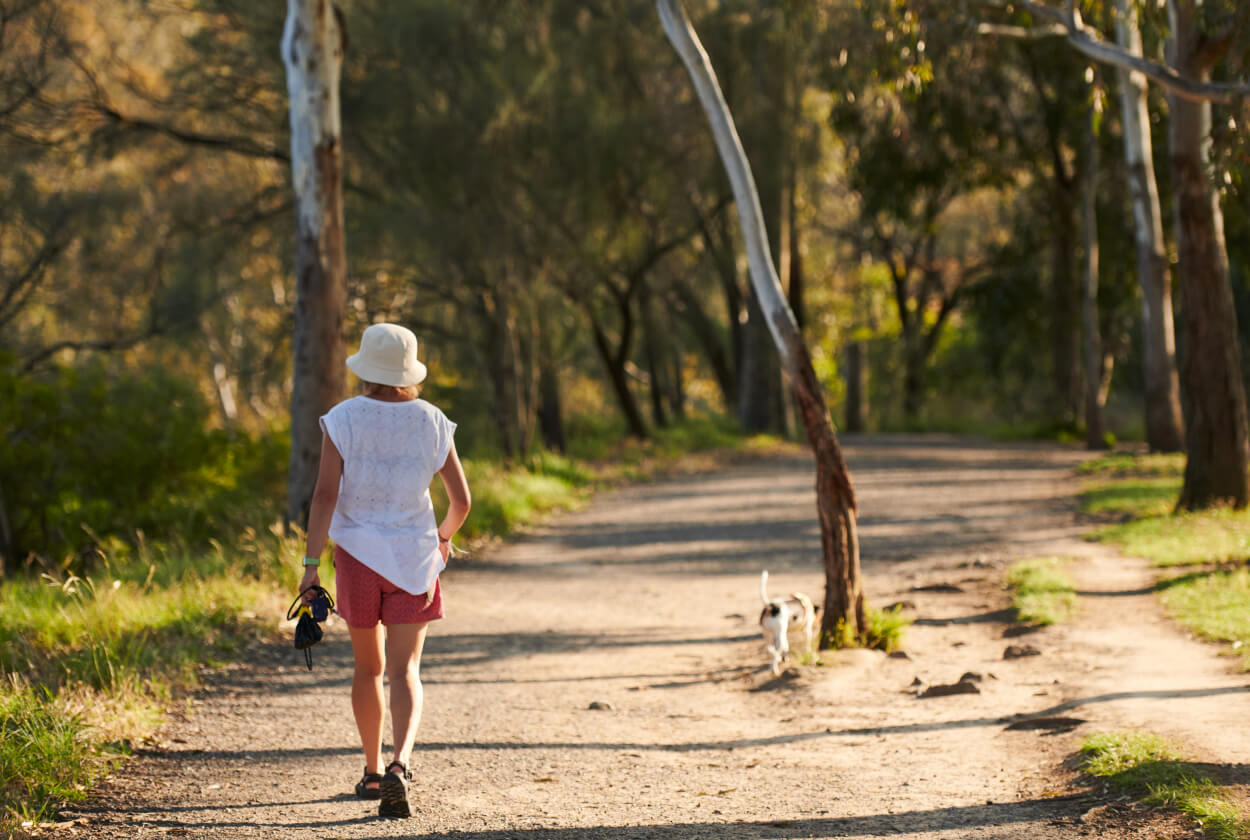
(393, 792)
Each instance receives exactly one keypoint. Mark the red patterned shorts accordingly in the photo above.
(365, 597)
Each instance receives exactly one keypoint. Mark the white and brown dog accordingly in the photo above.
(778, 616)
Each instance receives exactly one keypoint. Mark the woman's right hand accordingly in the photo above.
(444, 548)
(310, 579)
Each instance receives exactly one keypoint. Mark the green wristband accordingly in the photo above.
(312, 561)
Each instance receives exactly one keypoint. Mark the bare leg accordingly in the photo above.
(367, 692)
(404, 643)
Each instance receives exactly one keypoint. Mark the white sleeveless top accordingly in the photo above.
(384, 517)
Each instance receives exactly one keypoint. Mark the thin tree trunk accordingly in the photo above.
(1218, 442)
(1095, 436)
(678, 382)
(711, 341)
(550, 410)
(501, 347)
(856, 387)
(312, 50)
(615, 364)
(655, 355)
(1065, 308)
(835, 494)
(794, 288)
(758, 373)
(1165, 428)
(913, 380)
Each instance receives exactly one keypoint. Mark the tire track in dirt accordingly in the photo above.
(645, 601)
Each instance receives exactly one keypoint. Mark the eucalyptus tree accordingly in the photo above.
(1202, 38)
(1165, 427)
(313, 44)
(835, 494)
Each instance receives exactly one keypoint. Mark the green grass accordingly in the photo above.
(1215, 536)
(1041, 590)
(1213, 604)
(1125, 465)
(1150, 768)
(101, 657)
(1142, 490)
(885, 628)
(46, 754)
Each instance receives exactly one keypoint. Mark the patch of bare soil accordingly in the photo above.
(604, 677)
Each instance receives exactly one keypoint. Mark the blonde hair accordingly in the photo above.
(373, 389)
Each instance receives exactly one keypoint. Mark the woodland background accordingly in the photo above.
(531, 187)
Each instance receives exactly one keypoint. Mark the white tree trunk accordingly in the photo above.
(1164, 423)
(312, 50)
(835, 495)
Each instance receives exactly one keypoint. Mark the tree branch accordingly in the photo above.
(238, 145)
(1090, 43)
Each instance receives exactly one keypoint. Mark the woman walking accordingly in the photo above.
(379, 453)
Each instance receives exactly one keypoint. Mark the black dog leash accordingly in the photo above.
(308, 615)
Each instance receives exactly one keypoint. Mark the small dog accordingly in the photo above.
(778, 616)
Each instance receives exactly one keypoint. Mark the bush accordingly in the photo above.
(92, 459)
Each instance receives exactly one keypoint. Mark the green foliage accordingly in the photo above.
(94, 460)
(884, 630)
(1150, 767)
(1041, 590)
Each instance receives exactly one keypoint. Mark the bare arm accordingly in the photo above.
(325, 497)
(458, 499)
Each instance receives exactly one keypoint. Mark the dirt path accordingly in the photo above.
(646, 601)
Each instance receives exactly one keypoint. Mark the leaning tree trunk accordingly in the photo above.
(312, 50)
(835, 495)
(1165, 428)
(1091, 341)
(1217, 441)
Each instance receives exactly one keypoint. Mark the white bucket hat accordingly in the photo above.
(388, 356)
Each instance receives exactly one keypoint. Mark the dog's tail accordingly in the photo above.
(764, 587)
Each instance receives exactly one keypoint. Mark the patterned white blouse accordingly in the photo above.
(384, 517)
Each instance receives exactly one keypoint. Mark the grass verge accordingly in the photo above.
(1141, 491)
(100, 657)
(1151, 769)
(1041, 590)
